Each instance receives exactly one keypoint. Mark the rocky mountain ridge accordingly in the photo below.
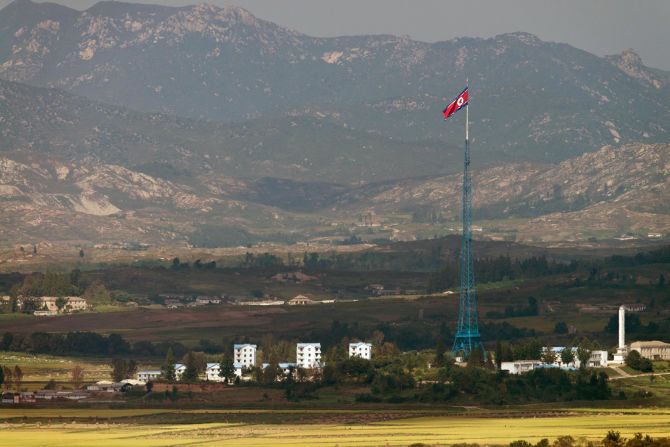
(606, 193)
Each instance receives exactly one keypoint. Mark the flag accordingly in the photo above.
(457, 104)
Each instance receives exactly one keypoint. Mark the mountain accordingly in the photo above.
(604, 193)
(296, 148)
(55, 200)
(531, 100)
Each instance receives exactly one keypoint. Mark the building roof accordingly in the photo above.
(243, 345)
(282, 365)
(360, 343)
(650, 344)
(304, 345)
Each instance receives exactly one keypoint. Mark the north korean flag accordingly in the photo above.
(457, 104)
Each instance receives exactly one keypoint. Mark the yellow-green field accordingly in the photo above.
(439, 430)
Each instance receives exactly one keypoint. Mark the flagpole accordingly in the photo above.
(467, 110)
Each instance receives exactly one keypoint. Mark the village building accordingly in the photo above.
(262, 303)
(520, 366)
(173, 303)
(45, 394)
(75, 303)
(598, 359)
(148, 375)
(68, 303)
(300, 300)
(360, 349)
(245, 354)
(205, 300)
(652, 350)
(285, 368)
(106, 386)
(308, 355)
(213, 370)
(179, 370)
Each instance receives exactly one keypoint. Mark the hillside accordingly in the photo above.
(608, 192)
(604, 194)
(55, 123)
(532, 100)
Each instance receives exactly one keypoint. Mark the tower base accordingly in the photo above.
(465, 344)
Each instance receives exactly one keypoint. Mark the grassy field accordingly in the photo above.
(399, 431)
(39, 369)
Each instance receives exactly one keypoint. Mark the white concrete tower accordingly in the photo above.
(622, 327)
(622, 350)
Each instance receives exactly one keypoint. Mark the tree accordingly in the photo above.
(18, 377)
(61, 303)
(227, 368)
(549, 356)
(191, 371)
(476, 357)
(584, 353)
(561, 328)
(2, 375)
(613, 439)
(167, 370)
(77, 376)
(119, 370)
(498, 355)
(97, 293)
(567, 356)
(7, 374)
(633, 360)
(440, 351)
(131, 368)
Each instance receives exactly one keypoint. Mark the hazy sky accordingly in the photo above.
(599, 26)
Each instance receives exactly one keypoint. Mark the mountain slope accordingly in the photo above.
(531, 100)
(608, 192)
(55, 123)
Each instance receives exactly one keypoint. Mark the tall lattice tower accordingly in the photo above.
(467, 335)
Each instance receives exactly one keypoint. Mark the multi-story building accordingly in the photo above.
(244, 354)
(360, 349)
(308, 355)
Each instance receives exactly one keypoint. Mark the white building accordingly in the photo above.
(205, 300)
(213, 370)
(148, 375)
(245, 354)
(652, 350)
(360, 349)
(300, 300)
(598, 359)
(179, 370)
(71, 303)
(520, 366)
(308, 355)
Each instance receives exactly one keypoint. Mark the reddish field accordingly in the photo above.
(215, 322)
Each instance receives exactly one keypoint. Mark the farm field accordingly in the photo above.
(402, 431)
